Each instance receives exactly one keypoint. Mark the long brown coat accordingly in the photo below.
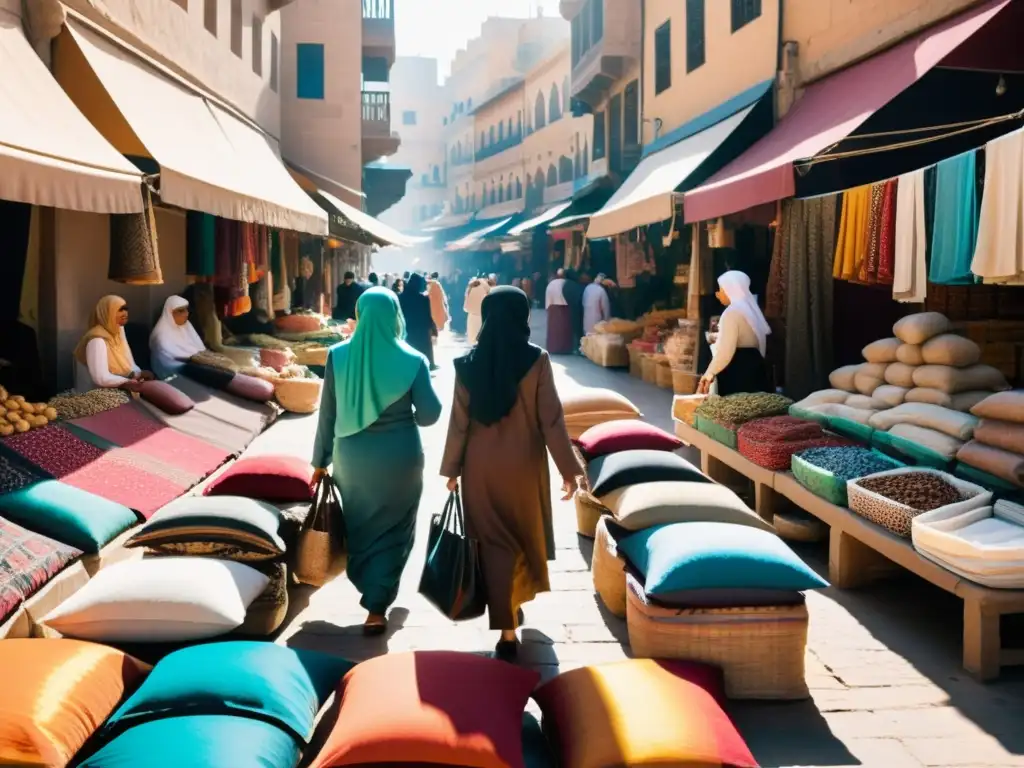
(506, 488)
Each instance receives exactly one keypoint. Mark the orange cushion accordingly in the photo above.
(437, 707)
(641, 712)
(593, 399)
(55, 694)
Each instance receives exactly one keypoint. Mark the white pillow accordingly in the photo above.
(162, 599)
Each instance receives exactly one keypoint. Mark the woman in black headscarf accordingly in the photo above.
(419, 323)
(505, 418)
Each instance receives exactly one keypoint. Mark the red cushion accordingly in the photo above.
(430, 707)
(268, 478)
(625, 435)
(166, 398)
(250, 388)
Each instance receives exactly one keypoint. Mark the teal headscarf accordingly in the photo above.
(375, 368)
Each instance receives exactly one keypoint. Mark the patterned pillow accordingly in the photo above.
(27, 561)
(15, 474)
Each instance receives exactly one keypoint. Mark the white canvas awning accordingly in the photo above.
(50, 154)
(210, 160)
(648, 195)
(377, 231)
(548, 215)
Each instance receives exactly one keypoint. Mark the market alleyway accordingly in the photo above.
(883, 664)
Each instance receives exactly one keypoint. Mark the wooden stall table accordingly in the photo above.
(722, 464)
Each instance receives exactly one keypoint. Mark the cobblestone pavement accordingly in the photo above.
(883, 664)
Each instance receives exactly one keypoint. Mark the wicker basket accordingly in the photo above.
(588, 512)
(298, 395)
(268, 611)
(760, 650)
(649, 369)
(609, 570)
(719, 432)
(797, 525)
(635, 362)
(684, 381)
(312, 355)
(897, 518)
(663, 373)
(823, 483)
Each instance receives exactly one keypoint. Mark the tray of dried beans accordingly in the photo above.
(771, 442)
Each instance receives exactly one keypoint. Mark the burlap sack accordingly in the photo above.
(869, 378)
(842, 378)
(953, 380)
(900, 375)
(1005, 406)
(950, 349)
(881, 351)
(910, 354)
(918, 328)
(890, 396)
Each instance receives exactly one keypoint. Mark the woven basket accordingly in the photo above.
(684, 382)
(635, 362)
(312, 355)
(267, 612)
(298, 395)
(797, 525)
(588, 513)
(609, 571)
(897, 518)
(719, 432)
(760, 650)
(649, 369)
(823, 483)
(663, 373)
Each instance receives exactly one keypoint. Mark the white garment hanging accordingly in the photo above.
(910, 269)
(999, 253)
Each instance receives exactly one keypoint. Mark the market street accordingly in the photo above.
(883, 664)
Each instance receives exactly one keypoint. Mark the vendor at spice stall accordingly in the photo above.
(738, 364)
(103, 359)
(173, 341)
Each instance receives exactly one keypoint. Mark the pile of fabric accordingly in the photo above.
(995, 456)
(245, 703)
(721, 417)
(696, 574)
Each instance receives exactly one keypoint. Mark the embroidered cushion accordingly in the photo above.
(56, 694)
(166, 398)
(437, 707)
(617, 470)
(231, 527)
(27, 561)
(625, 435)
(650, 713)
(81, 519)
(269, 478)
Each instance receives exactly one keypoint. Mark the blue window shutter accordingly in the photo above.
(310, 71)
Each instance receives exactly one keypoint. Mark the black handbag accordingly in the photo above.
(452, 579)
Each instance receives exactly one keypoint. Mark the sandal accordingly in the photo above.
(375, 627)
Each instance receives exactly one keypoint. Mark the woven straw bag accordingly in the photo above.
(298, 395)
(760, 650)
(588, 512)
(609, 570)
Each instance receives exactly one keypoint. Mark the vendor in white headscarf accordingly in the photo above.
(173, 341)
(738, 364)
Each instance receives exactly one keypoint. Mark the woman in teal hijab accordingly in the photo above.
(377, 393)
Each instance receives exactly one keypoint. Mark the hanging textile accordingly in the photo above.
(955, 230)
(867, 273)
(910, 266)
(200, 244)
(887, 234)
(853, 241)
(778, 271)
(811, 243)
(134, 255)
(999, 255)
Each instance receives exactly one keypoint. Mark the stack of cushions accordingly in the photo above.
(771, 442)
(229, 528)
(720, 417)
(239, 704)
(984, 545)
(163, 599)
(27, 562)
(71, 516)
(610, 438)
(56, 695)
(922, 363)
(893, 498)
(641, 713)
(587, 407)
(723, 594)
(995, 457)
(923, 433)
(825, 471)
(430, 707)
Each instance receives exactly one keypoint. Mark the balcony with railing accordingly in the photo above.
(379, 29)
(496, 148)
(378, 139)
(606, 42)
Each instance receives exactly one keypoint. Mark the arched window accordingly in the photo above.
(437, 174)
(483, 140)
(552, 176)
(566, 96)
(564, 169)
(494, 197)
(501, 131)
(508, 192)
(511, 132)
(501, 193)
(538, 113)
(586, 157)
(538, 179)
(555, 105)
(519, 187)
(491, 134)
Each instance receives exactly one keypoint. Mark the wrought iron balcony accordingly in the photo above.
(376, 113)
(491, 150)
(379, 29)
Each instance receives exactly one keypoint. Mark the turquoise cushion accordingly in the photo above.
(536, 749)
(248, 679)
(682, 556)
(78, 518)
(201, 741)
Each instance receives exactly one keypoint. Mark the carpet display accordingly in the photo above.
(120, 479)
(55, 450)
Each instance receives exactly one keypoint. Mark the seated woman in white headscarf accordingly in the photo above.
(738, 364)
(173, 341)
